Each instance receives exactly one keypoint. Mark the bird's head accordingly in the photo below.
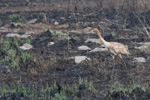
(95, 30)
(128, 53)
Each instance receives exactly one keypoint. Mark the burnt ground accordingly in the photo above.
(52, 65)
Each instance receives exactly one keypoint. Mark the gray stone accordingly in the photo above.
(12, 35)
(26, 47)
(56, 23)
(50, 43)
(17, 35)
(99, 49)
(84, 47)
(32, 21)
(29, 33)
(79, 59)
(98, 41)
(145, 47)
(139, 60)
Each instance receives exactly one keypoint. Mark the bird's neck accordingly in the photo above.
(102, 39)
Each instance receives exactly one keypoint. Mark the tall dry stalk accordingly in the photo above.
(68, 42)
(142, 24)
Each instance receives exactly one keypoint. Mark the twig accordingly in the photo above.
(142, 24)
(68, 41)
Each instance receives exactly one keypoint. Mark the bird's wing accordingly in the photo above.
(118, 48)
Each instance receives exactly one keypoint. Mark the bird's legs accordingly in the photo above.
(120, 56)
(124, 63)
(113, 67)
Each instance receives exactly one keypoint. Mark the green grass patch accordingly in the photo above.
(11, 54)
(32, 93)
(134, 92)
(57, 34)
(87, 85)
(14, 17)
(47, 92)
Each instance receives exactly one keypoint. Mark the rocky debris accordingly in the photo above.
(99, 49)
(84, 47)
(32, 21)
(26, 47)
(17, 35)
(98, 41)
(79, 59)
(50, 43)
(139, 59)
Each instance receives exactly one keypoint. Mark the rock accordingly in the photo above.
(62, 18)
(79, 59)
(32, 21)
(142, 48)
(84, 47)
(56, 23)
(145, 47)
(17, 35)
(24, 36)
(99, 49)
(139, 59)
(146, 43)
(29, 33)
(50, 43)
(98, 41)
(12, 35)
(26, 47)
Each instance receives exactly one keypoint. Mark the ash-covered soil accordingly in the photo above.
(52, 65)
